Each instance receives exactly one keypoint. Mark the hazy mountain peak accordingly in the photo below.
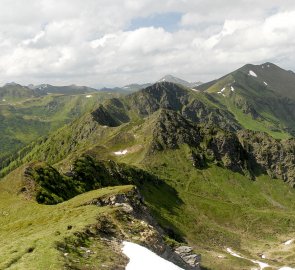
(173, 79)
(11, 84)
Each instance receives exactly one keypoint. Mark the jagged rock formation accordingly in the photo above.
(247, 151)
(150, 234)
(274, 157)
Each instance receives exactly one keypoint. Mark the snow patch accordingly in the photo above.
(262, 265)
(4, 99)
(88, 96)
(286, 268)
(121, 153)
(232, 88)
(265, 83)
(144, 259)
(252, 73)
(229, 250)
(222, 89)
(289, 242)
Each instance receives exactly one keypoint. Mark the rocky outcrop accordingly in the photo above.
(187, 254)
(245, 151)
(172, 130)
(131, 207)
(111, 114)
(268, 155)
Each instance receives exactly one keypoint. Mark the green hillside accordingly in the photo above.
(260, 97)
(26, 120)
(223, 175)
(216, 168)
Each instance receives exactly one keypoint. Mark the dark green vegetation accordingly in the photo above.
(216, 165)
(86, 174)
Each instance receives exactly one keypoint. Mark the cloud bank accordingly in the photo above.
(97, 42)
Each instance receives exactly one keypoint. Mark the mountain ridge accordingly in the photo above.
(210, 183)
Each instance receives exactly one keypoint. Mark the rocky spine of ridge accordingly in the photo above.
(133, 208)
(170, 96)
(133, 221)
(274, 157)
(181, 118)
(247, 152)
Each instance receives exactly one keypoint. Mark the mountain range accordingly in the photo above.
(198, 173)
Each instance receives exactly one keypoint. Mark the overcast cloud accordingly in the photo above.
(116, 42)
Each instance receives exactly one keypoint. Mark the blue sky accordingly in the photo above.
(169, 21)
(118, 42)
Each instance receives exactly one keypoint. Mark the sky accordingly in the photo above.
(118, 42)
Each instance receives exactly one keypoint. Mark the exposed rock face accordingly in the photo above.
(186, 253)
(172, 129)
(150, 235)
(111, 114)
(276, 158)
(170, 96)
(226, 148)
(245, 151)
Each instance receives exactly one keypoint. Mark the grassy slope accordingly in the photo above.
(214, 208)
(275, 110)
(29, 232)
(224, 209)
(217, 208)
(26, 121)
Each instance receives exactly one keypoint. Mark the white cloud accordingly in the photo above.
(86, 42)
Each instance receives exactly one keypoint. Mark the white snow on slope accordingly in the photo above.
(262, 265)
(252, 73)
(229, 250)
(232, 88)
(88, 96)
(121, 153)
(140, 258)
(222, 89)
(286, 268)
(265, 83)
(289, 242)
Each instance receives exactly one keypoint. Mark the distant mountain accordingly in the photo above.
(262, 97)
(15, 92)
(275, 78)
(67, 90)
(12, 92)
(172, 79)
(29, 113)
(135, 87)
(130, 88)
